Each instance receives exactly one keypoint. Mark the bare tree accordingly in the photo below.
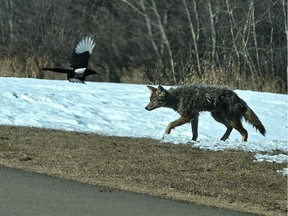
(271, 52)
(245, 38)
(213, 35)
(253, 23)
(193, 34)
(156, 38)
(285, 12)
(165, 40)
(196, 19)
(232, 32)
(7, 17)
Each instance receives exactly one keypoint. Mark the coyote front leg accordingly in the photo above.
(182, 120)
(194, 126)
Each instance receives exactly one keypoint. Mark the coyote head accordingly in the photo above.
(157, 98)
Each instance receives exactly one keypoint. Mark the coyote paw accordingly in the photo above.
(164, 135)
(167, 131)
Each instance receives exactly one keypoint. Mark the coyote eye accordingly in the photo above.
(158, 101)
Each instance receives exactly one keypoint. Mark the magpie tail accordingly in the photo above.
(59, 70)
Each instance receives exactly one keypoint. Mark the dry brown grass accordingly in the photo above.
(26, 67)
(266, 82)
(235, 79)
(224, 179)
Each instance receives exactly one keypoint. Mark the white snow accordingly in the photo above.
(280, 158)
(118, 109)
(284, 172)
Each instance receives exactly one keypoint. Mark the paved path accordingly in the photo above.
(30, 194)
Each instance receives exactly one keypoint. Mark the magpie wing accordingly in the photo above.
(73, 78)
(82, 52)
(80, 60)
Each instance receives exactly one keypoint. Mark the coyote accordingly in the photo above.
(188, 100)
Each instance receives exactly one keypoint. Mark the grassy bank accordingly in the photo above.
(227, 179)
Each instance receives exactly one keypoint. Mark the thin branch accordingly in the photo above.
(165, 40)
(193, 36)
(133, 7)
(213, 33)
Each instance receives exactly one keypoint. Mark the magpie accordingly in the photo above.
(79, 62)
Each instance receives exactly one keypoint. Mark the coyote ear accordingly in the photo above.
(152, 89)
(160, 89)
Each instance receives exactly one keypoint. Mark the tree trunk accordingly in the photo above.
(192, 31)
(165, 41)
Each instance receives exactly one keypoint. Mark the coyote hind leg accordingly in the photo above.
(238, 126)
(235, 122)
(219, 118)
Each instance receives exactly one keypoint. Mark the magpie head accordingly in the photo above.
(88, 72)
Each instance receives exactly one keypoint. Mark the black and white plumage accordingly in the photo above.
(79, 62)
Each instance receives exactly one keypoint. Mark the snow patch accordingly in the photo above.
(118, 109)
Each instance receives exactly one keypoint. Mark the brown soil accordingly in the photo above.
(227, 179)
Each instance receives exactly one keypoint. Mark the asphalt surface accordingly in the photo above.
(23, 193)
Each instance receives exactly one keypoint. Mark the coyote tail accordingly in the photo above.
(252, 118)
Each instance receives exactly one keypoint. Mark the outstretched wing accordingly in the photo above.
(74, 79)
(82, 52)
